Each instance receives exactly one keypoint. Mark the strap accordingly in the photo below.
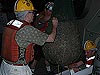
(15, 23)
(21, 58)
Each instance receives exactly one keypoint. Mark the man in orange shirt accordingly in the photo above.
(19, 37)
(90, 50)
(42, 22)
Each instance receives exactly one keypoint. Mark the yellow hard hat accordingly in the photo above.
(89, 45)
(23, 5)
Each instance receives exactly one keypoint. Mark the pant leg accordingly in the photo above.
(7, 69)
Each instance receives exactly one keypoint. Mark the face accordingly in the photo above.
(31, 16)
(89, 53)
(48, 12)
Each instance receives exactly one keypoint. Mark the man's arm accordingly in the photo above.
(53, 34)
(29, 34)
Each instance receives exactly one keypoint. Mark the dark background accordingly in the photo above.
(39, 5)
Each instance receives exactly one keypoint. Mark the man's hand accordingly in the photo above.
(75, 66)
(55, 22)
(51, 37)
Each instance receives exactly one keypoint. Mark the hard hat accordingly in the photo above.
(23, 5)
(89, 45)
